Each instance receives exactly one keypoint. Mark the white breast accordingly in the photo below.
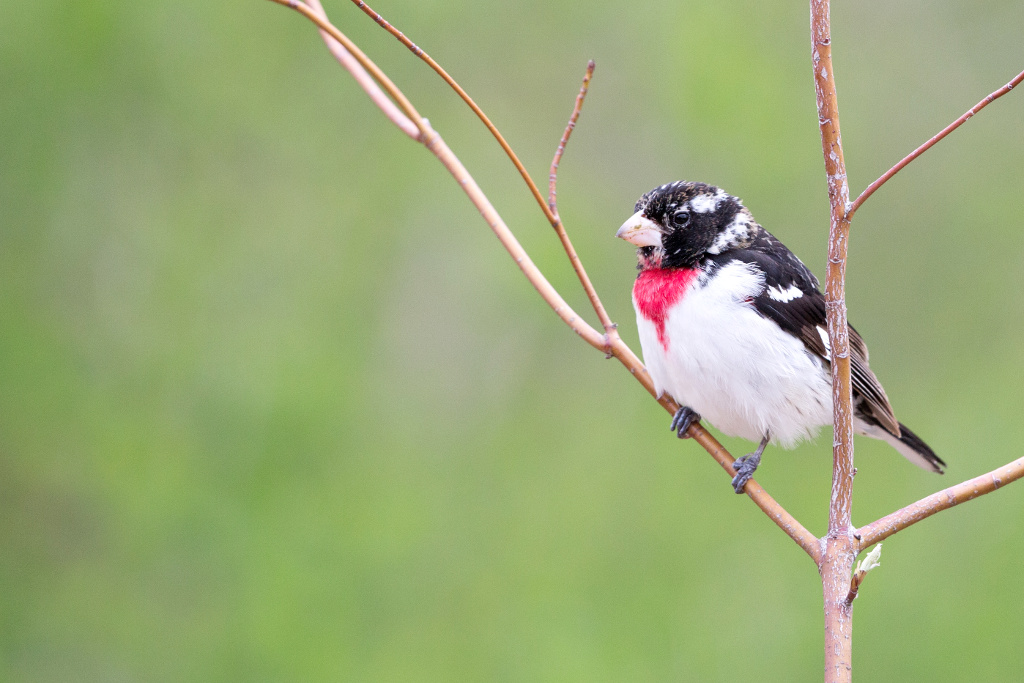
(740, 371)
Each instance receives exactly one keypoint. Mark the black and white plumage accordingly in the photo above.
(732, 325)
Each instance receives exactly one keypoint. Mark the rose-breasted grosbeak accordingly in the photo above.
(732, 325)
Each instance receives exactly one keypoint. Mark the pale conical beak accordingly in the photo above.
(641, 231)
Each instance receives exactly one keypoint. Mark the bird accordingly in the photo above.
(732, 326)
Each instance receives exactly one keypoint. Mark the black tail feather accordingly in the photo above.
(914, 442)
(908, 444)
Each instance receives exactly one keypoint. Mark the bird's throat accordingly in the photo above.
(656, 290)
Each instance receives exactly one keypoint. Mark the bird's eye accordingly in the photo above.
(681, 218)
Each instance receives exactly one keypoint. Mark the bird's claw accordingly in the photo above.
(744, 467)
(682, 420)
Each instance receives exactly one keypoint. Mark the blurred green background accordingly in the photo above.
(276, 406)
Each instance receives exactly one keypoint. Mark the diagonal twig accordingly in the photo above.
(885, 527)
(364, 79)
(992, 97)
(365, 62)
(573, 118)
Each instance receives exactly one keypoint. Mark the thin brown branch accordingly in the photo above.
(885, 527)
(610, 328)
(992, 97)
(838, 555)
(573, 118)
(610, 343)
(511, 244)
(835, 289)
(365, 81)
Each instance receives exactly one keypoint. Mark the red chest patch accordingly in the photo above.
(656, 290)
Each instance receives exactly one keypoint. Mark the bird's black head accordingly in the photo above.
(676, 224)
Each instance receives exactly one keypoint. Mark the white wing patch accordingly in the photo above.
(784, 295)
(823, 333)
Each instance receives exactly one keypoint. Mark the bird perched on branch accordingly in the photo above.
(732, 326)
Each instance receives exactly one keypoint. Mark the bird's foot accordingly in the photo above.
(682, 420)
(746, 466)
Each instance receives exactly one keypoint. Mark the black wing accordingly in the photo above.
(791, 299)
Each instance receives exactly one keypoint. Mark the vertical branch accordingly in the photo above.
(835, 291)
(837, 559)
